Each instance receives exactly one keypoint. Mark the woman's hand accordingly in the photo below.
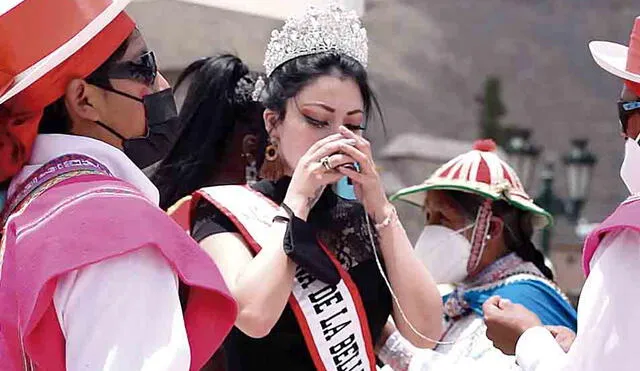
(311, 176)
(367, 183)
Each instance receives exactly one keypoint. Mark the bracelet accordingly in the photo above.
(391, 217)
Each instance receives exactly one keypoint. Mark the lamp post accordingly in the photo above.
(550, 202)
(578, 165)
(522, 155)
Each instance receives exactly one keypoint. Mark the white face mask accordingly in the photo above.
(630, 169)
(444, 252)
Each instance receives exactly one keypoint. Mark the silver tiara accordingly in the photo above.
(318, 30)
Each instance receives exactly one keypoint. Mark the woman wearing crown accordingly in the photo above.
(477, 237)
(301, 261)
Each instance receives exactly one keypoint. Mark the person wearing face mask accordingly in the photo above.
(477, 237)
(608, 325)
(89, 265)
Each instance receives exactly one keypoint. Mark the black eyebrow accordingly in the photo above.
(326, 107)
(331, 109)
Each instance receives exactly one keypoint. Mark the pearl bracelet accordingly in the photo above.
(391, 217)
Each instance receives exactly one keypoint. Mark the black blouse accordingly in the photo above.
(340, 224)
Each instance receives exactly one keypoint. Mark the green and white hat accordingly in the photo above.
(482, 172)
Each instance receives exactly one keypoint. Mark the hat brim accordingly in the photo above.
(415, 195)
(612, 58)
(46, 64)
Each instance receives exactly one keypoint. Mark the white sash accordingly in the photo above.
(332, 318)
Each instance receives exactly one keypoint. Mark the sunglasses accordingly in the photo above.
(626, 109)
(143, 70)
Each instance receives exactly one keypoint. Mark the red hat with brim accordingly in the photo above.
(65, 40)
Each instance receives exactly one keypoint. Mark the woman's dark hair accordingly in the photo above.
(518, 227)
(218, 99)
(291, 77)
(55, 119)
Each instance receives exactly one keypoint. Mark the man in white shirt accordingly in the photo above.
(608, 322)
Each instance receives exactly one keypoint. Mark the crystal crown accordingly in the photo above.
(318, 30)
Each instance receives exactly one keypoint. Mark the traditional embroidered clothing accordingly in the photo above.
(57, 230)
(89, 265)
(481, 172)
(519, 281)
(511, 278)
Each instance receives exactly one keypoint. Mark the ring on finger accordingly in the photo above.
(325, 162)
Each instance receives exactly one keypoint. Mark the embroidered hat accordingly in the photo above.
(44, 44)
(482, 172)
(621, 60)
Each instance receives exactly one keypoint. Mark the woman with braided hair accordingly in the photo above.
(479, 224)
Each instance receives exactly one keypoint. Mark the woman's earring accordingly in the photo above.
(271, 152)
(273, 167)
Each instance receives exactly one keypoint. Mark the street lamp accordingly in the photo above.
(550, 202)
(579, 163)
(522, 155)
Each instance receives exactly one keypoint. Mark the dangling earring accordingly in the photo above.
(272, 168)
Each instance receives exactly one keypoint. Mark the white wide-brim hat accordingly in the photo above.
(618, 59)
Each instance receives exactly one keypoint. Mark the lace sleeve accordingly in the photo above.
(474, 352)
(397, 352)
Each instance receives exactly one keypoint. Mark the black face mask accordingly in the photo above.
(163, 128)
